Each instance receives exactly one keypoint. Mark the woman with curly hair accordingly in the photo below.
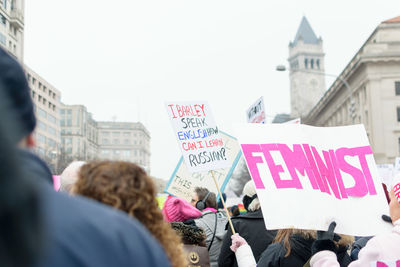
(127, 187)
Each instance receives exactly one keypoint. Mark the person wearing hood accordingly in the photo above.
(384, 248)
(75, 231)
(250, 226)
(211, 221)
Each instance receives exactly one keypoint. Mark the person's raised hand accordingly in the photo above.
(325, 240)
(237, 241)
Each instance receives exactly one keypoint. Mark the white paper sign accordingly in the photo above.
(397, 164)
(198, 136)
(307, 176)
(182, 183)
(256, 113)
(386, 172)
(295, 121)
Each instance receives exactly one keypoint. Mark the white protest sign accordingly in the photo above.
(307, 176)
(198, 136)
(386, 172)
(393, 263)
(295, 121)
(182, 183)
(397, 164)
(256, 113)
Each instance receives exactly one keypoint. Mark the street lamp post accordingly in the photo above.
(345, 83)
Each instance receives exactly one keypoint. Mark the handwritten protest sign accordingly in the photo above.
(182, 182)
(307, 176)
(386, 172)
(256, 113)
(198, 136)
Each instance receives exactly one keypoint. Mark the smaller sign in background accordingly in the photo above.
(182, 183)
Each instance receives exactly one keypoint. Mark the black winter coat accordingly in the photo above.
(300, 253)
(251, 227)
(83, 233)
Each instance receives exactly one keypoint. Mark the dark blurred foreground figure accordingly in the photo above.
(21, 237)
(250, 226)
(127, 187)
(76, 231)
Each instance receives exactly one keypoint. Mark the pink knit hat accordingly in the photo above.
(179, 210)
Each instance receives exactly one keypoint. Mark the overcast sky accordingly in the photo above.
(124, 58)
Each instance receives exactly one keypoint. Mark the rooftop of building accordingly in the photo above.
(305, 33)
(393, 20)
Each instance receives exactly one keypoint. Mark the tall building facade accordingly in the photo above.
(124, 141)
(12, 27)
(79, 134)
(373, 76)
(306, 61)
(46, 99)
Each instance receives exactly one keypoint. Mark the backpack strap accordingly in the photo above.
(215, 229)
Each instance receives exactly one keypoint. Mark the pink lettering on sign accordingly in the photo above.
(323, 170)
(387, 263)
(396, 190)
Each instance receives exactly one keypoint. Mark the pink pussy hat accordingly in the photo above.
(179, 210)
(396, 187)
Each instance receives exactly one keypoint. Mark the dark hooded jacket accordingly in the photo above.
(82, 233)
(300, 253)
(251, 227)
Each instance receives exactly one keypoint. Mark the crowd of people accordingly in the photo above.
(106, 213)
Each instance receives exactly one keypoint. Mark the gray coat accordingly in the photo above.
(207, 223)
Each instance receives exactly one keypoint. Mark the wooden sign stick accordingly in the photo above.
(223, 203)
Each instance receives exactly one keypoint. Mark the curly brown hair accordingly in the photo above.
(127, 187)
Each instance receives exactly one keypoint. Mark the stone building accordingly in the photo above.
(12, 27)
(124, 141)
(79, 133)
(46, 100)
(373, 96)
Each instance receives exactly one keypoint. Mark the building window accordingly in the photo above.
(116, 133)
(397, 87)
(41, 125)
(398, 114)
(41, 138)
(127, 134)
(51, 130)
(2, 39)
(126, 142)
(41, 112)
(116, 141)
(306, 63)
(317, 62)
(52, 119)
(398, 140)
(2, 20)
(105, 141)
(312, 63)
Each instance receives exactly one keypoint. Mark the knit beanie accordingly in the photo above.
(250, 194)
(13, 82)
(178, 209)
